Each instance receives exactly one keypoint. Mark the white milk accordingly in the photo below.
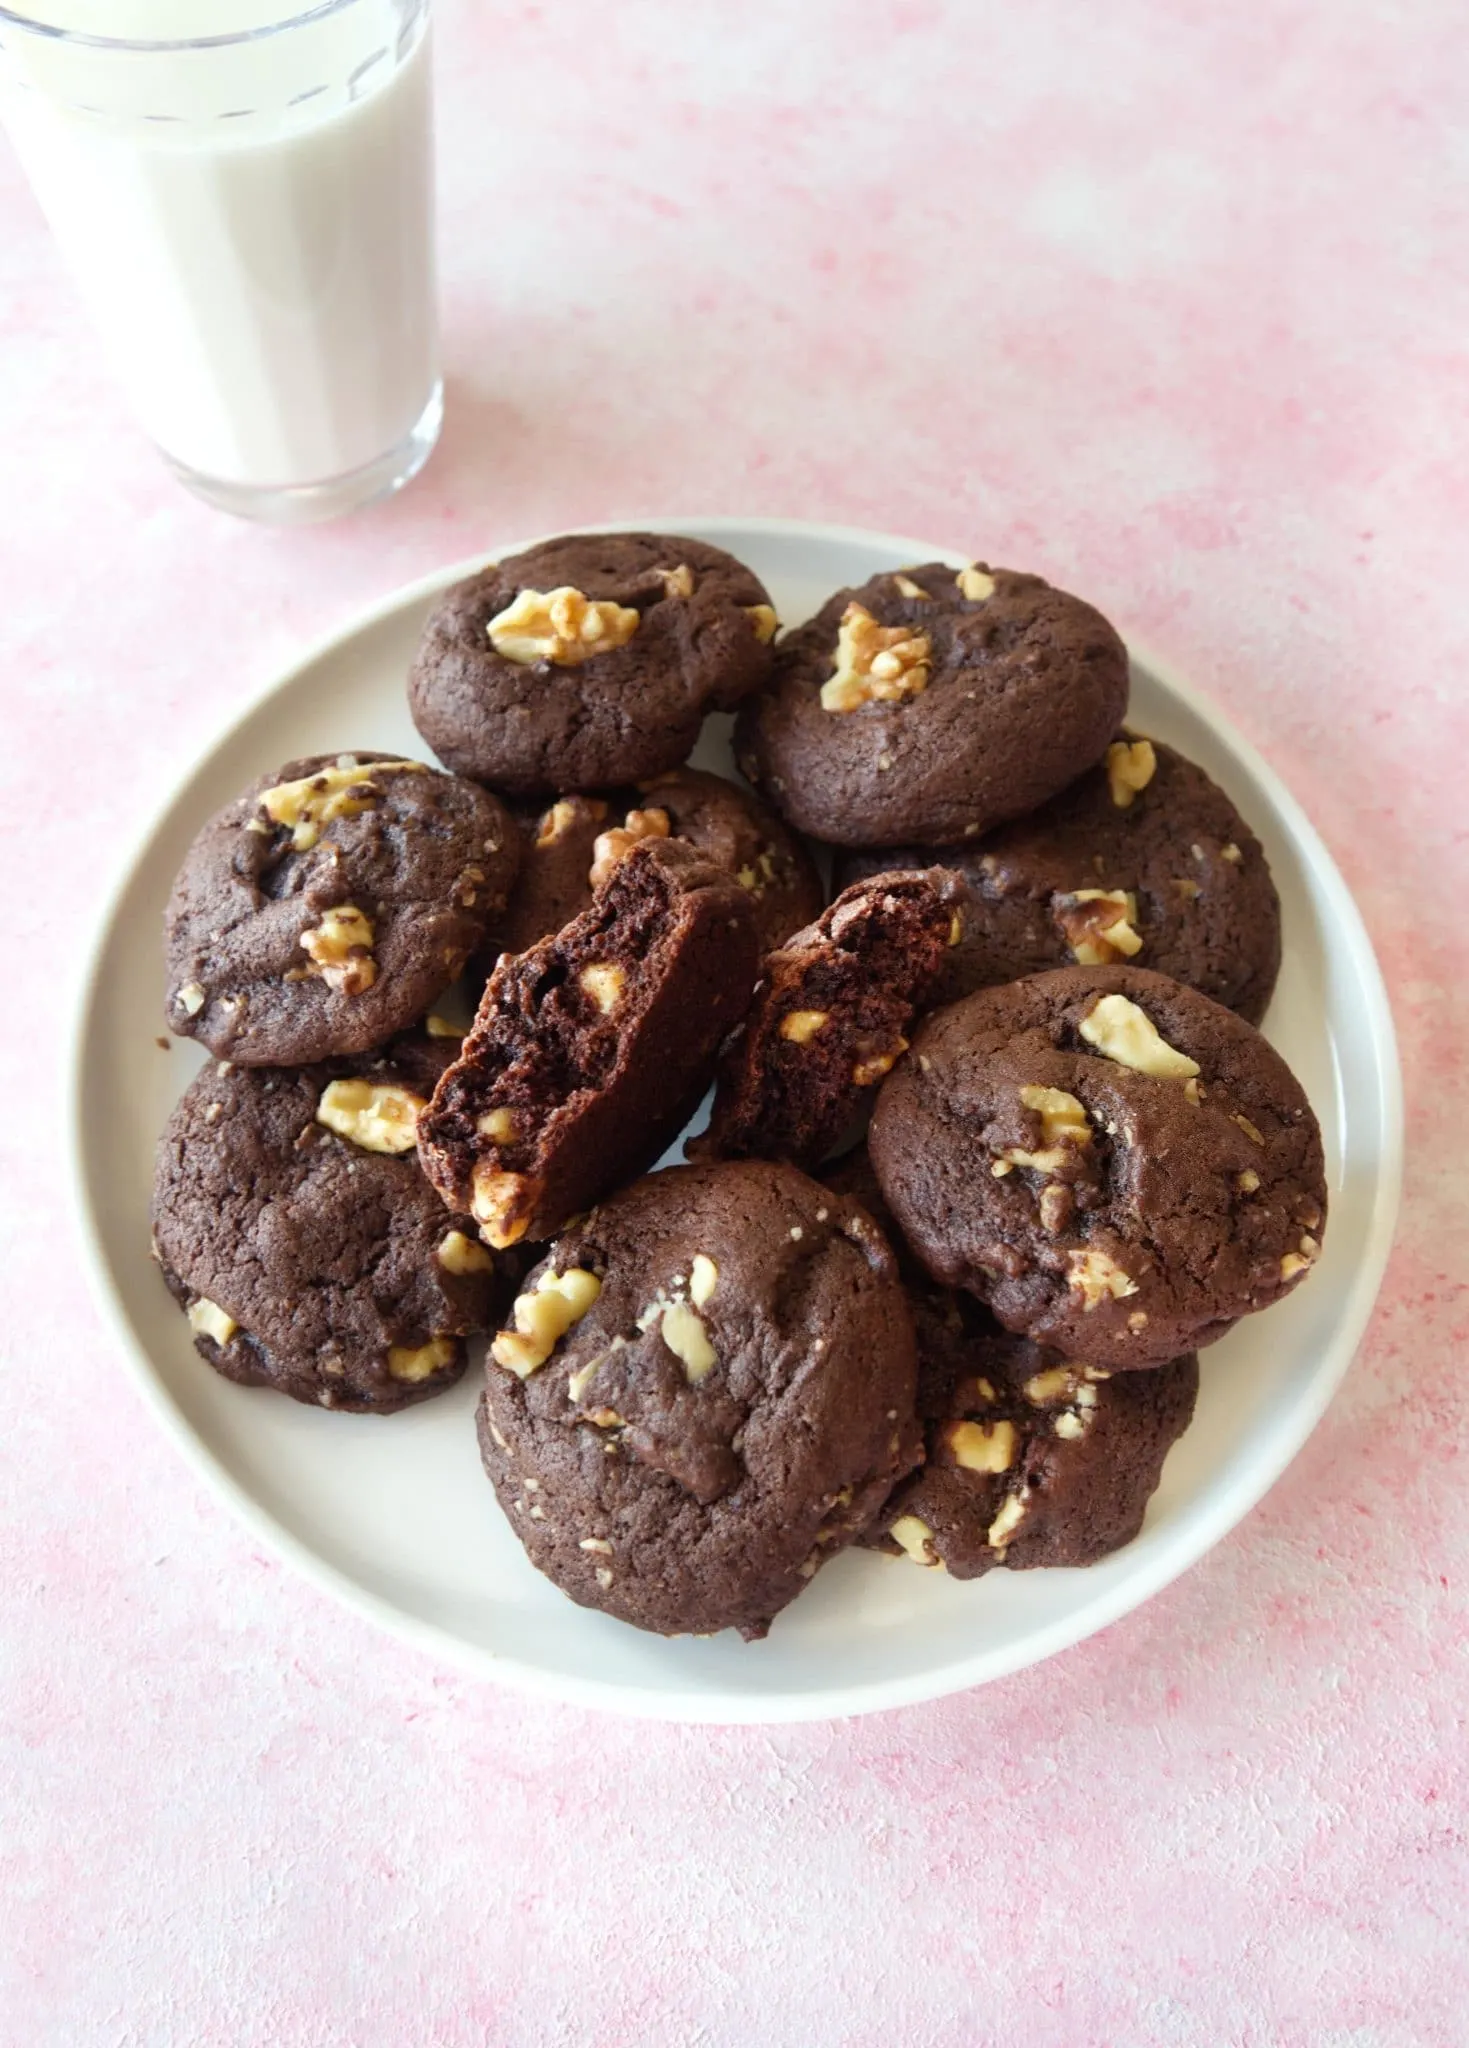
(262, 279)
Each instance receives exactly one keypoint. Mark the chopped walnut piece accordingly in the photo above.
(873, 663)
(677, 582)
(563, 626)
(1064, 1123)
(801, 1026)
(373, 1114)
(682, 1330)
(1127, 1034)
(605, 982)
(762, 618)
(975, 583)
(340, 791)
(907, 587)
(616, 844)
(1130, 767)
(495, 1197)
(865, 1072)
(542, 1317)
(340, 950)
(1095, 1275)
(1099, 924)
(458, 1254)
(414, 1362)
(913, 1535)
(982, 1447)
(207, 1319)
(1006, 1522)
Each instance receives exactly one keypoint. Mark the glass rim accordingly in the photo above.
(87, 39)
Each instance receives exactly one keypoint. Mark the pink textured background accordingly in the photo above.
(1168, 301)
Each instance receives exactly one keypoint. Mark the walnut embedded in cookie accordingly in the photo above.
(831, 1018)
(295, 1229)
(1143, 858)
(572, 845)
(589, 660)
(930, 705)
(589, 1050)
(703, 1393)
(324, 910)
(1118, 1166)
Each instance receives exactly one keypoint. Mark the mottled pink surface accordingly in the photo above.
(1169, 302)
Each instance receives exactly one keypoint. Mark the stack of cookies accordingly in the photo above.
(995, 1147)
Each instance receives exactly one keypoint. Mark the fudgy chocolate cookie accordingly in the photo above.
(590, 1050)
(579, 837)
(323, 911)
(588, 660)
(297, 1233)
(829, 1018)
(1030, 1460)
(930, 706)
(1120, 1167)
(706, 1391)
(1141, 858)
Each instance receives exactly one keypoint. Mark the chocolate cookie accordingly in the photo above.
(323, 911)
(1120, 1167)
(589, 660)
(577, 837)
(929, 707)
(296, 1231)
(1143, 858)
(1029, 1460)
(829, 1018)
(707, 1391)
(589, 1051)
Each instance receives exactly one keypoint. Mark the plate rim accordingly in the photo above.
(693, 1707)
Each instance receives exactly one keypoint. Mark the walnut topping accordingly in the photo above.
(542, 1318)
(1069, 1424)
(498, 1125)
(373, 1114)
(1298, 1261)
(494, 1199)
(1099, 924)
(599, 1544)
(1251, 1131)
(1231, 853)
(975, 583)
(865, 1072)
(604, 1576)
(458, 1254)
(340, 950)
(682, 1330)
(873, 663)
(982, 1447)
(762, 618)
(1096, 1275)
(1057, 1204)
(1129, 769)
(605, 982)
(337, 792)
(563, 814)
(913, 1535)
(1043, 1389)
(420, 1362)
(1006, 1522)
(1248, 1181)
(703, 1279)
(1188, 890)
(801, 1026)
(207, 1319)
(191, 998)
(613, 846)
(1123, 1032)
(677, 582)
(563, 626)
(907, 587)
(441, 1027)
(1063, 1123)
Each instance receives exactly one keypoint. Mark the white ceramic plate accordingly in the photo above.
(394, 1516)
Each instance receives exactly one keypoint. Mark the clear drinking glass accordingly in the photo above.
(249, 216)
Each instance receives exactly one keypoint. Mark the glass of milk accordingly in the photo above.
(244, 191)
